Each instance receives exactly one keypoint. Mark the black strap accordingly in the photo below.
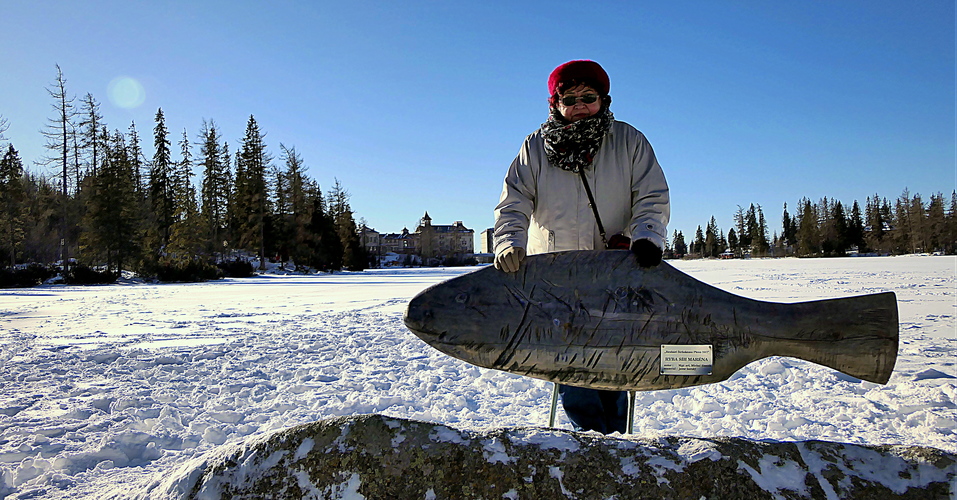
(594, 208)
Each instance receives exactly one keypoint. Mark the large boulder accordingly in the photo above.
(379, 457)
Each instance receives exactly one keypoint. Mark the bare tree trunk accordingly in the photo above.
(58, 137)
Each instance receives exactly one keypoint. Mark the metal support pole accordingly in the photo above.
(551, 415)
(631, 413)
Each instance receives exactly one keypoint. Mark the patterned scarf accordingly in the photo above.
(573, 146)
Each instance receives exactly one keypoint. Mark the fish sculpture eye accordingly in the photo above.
(462, 298)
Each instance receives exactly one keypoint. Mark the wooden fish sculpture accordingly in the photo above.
(595, 319)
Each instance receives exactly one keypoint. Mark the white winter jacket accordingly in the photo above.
(545, 209)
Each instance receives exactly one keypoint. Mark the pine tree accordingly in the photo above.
(182, 175)
(326, 254)
(282, 227)
(337, 200)
(186, 233)
(160, 185)
(112, 218)
(903, 228)
(826, 226)
(936, 223)
(808, 233)
(789, 233)
(678, 244)
(733, 243)
(237, 207)
(950, 237)
(838, 229)
(297, 205)
(216, 184)
(91, 138)
(777, 245)
(876, 224)
(352, 256)
(920, 233)
(42, 216)
(760, 234)
(12, 198)
(752, 230)
(855, 228)
(669, 251)
(889, 226)
(744, 236)
(711, 239)
(136, 158)
(698, 246)
(252, 163)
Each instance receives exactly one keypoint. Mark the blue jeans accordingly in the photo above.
(594, 409)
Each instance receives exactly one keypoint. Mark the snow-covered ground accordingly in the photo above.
(103, 387)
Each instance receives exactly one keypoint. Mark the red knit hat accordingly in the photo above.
(575, 73)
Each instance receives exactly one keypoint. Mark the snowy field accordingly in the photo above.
(104, 388)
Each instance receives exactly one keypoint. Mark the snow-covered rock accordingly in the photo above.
(380, 457)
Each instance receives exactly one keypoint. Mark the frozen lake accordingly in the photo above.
(104, 387)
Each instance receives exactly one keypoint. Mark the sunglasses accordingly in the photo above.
(571, 100)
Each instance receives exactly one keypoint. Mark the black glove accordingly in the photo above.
(647, 253)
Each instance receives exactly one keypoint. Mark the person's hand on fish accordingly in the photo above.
(510, 259)
(646, 253)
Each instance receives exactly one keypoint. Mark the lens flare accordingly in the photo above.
(126, 92)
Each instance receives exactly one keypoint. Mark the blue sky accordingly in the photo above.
(421, 106)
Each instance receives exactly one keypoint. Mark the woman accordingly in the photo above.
(545, 204)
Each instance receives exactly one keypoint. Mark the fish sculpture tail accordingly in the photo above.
(857, 336)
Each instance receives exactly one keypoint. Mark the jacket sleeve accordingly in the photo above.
(515, 206)
(650, 200)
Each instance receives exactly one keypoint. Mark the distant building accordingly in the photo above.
(436, 242)
(400, 243)
(487, 245)
(371, 240)
(429, 242)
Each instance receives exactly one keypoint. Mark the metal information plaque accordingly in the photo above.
(686, 359)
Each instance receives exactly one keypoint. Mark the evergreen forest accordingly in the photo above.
(827, 228)
(105, 208)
